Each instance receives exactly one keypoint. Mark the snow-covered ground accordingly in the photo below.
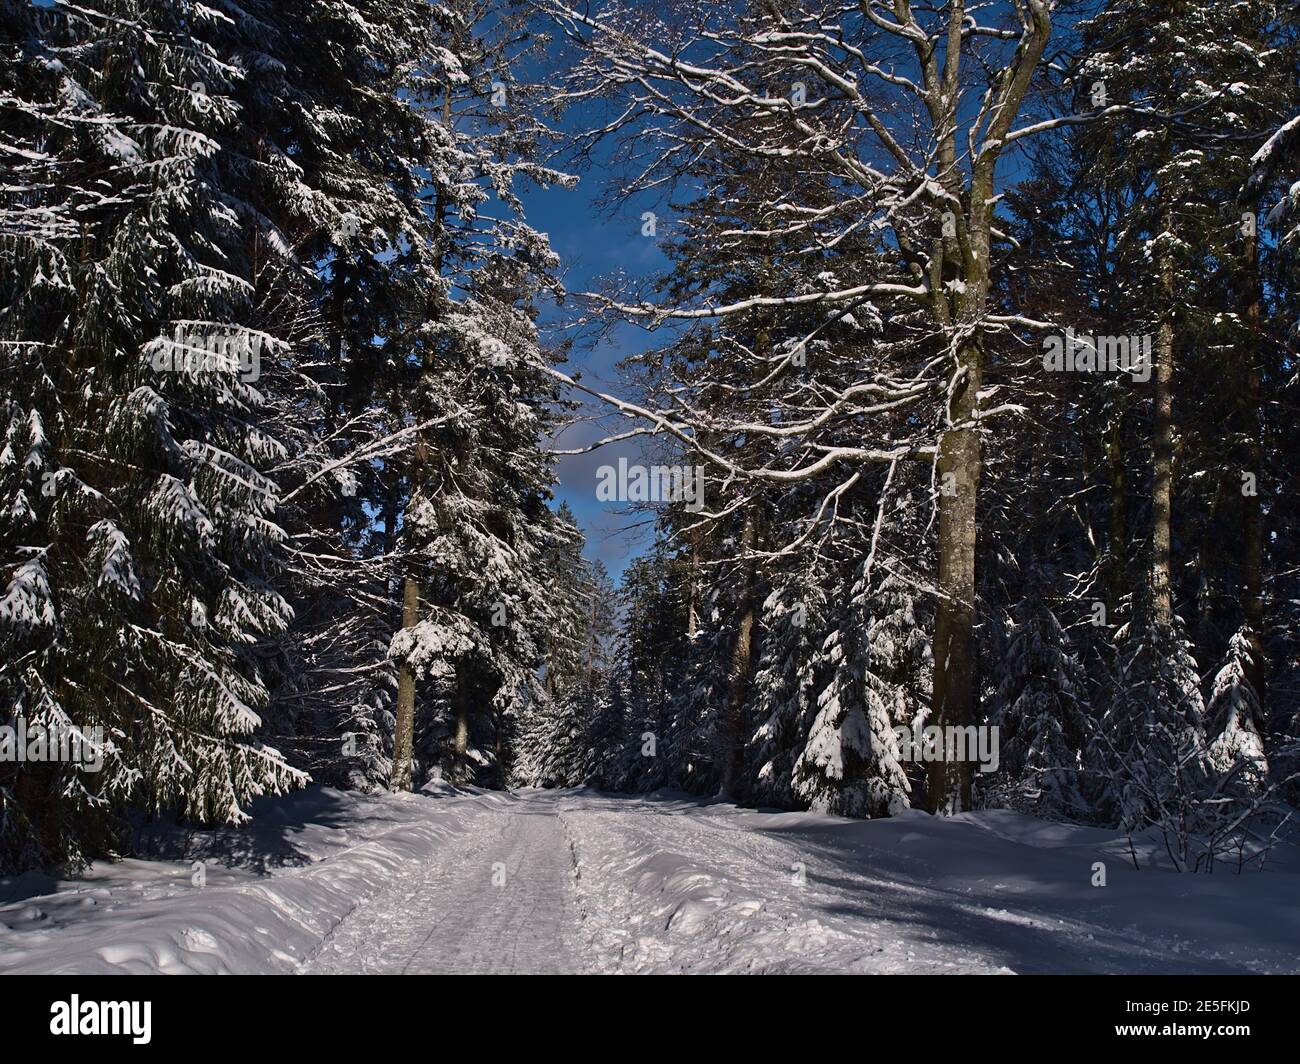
(575, 881)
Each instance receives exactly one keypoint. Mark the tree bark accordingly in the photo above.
(404, 726)
(948, 784)
(1252, 515)
(1116, 518)
(741, 666)
(460, 738)
(1163, 459)
(692, 616)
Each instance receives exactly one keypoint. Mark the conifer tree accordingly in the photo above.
(143, 573)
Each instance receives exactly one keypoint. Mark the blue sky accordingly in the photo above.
(593, 243)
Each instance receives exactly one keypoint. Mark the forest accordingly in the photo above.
(962, 432)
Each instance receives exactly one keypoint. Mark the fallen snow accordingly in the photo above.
(559, 881)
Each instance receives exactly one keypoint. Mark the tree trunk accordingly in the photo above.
(948, 784)
(460, 769)
(733, 723)
(1163, 460)
(1205, 553)
(460, 740)
(692, 614)
(1115, 541)
(1252, 516)
(591, 645)
(404, 727)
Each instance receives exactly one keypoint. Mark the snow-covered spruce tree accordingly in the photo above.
(595, 691)
(899, 664)
(786, 682)
(1273, 184)
(708, 722)
(650, 692)
(1275, 169)
(476, 529)
(474, 519)
(607, 742)
(1205, 800)
(552, 726)
(557, 744)
(573, 582)
(1041, 717)
(600, 623)
(1153, 734)
(38, 279)
(828, 667)
(851, 763)
(347, 124)
(143, 573)
(1234, 717)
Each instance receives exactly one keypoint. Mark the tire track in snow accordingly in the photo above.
(448, 915)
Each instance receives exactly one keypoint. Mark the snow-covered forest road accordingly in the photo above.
(498, 900)
(575, 881)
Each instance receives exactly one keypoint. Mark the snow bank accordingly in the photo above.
(310, 860)
(712, 888)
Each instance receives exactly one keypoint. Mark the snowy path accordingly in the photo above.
(448, 881)
(498, 900)
(596, 883)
